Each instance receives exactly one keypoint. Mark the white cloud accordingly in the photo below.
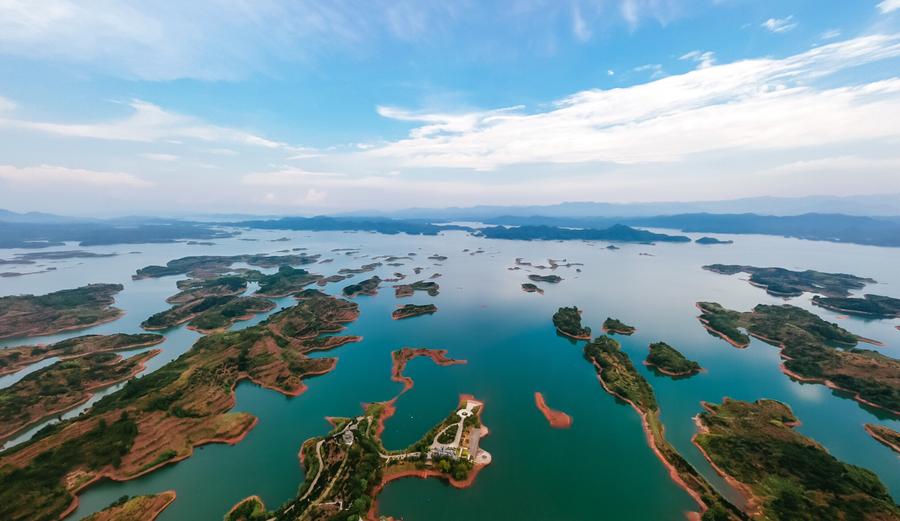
(148, 123)
(780, 25)
(579, 25)
(6, 105)
(703, 59)
(830, 34)
(761, 104)
(314, 196)
(54, 175)
(888, 6)
(655, 69)
(610, 72)
(221, 151)
(154, 156)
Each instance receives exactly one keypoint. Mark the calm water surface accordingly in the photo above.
(602, 466)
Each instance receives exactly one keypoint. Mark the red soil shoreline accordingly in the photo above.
(557, 419)
(752, 504)
(880, 439)
(723, 336)
(575, 337)
(401, 357)
(133, 347)
(57, 331)
(670, 373)
(673, 472)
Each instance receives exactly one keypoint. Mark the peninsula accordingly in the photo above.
(138, 508)
(669, 361)
(413, 310)
(14, 359)
(64, 310)
(784, 474)
(780, 282)
(813, 350)
(208, 266)
(619, 378)
(209, 314)
(884, 435)
(568, 323)
(401, 357)
(615, 233)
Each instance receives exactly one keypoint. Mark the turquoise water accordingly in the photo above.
(601, 464)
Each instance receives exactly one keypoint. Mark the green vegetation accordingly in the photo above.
(617, 233)
(36, 491)
(68, 309)
(60, 386)
(208, 266)
(250, 509)
(226, 285)
(712, 240)
(363, 269)
(670, 361)
(365, 287)
(531, 288)
(614, 325)
(13, 359)
(622, 380)
(791, 476)
(552, 279)
(209, 313)
(884, 435)
(182, 404)
(780, 282)
(285, 282)
(413, 310)
(448, 434)
(134, 508)
(406, 290)
(875, 306)
(568, 322)
(814, 349)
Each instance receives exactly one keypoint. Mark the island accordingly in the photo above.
(208, 266)
(331, 279)
(14, 359)
(347, 468)
(138, 508)
(551, 279)
(614, 325)
(34, 256)
(159, 418)
(884, 435)
(568, 323)
(712, 240)
(365, 287)
(872, 306)
(669, 361)
(401, 357)
(784, 474)
(61, 386)
(619, 378)
(780, 282)
(64, 310)
(224, 286)
(209, 314)
(528, 287)
(407, 290)
(286, 281)
(413, 310)
(813, 350)
(615, 233)
(556, 419)
(362, 269)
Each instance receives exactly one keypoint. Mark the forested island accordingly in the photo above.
(209, 266)
(64, 310)
(785, 474)
(873, 306)
(712, 240)
(620, 378)
(14, 359)
(813, 350)
(568, 322)
(365, 287)
(160, 417)
(780, 282)
(669, 361)
(614, 325)
(615, 233)
(407, 290)
(550, 279)
(528, 287)
(286, 281)
(209, 314)
(413, 310)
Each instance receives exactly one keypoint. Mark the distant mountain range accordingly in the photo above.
(861, 205)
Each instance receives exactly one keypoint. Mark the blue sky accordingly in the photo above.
(305, 107)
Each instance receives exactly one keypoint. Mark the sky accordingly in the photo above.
(114, 107)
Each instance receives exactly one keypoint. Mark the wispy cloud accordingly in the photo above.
(155, 156)
(761, 104)
(288, 176)
(830, 34)
(703, 59)
(655, 69)
(148, 123)
(55, 175)
(889, 6)
(780, 25)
